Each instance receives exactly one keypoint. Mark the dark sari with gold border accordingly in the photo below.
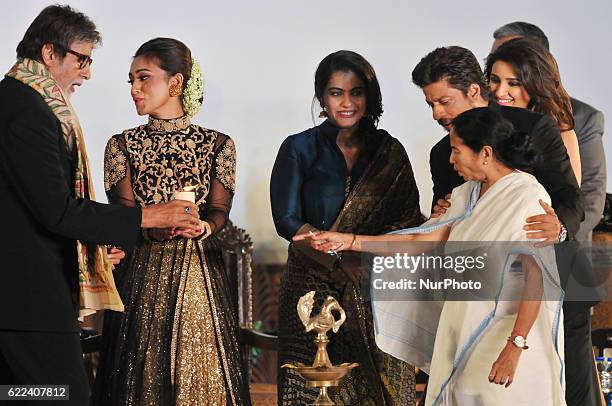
(384, 198)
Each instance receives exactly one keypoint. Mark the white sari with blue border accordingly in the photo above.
(456, 342)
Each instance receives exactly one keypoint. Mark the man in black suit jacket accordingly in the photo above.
(42, 219)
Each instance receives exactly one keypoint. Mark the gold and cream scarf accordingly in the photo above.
(97, 286)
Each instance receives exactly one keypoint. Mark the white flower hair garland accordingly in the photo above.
(194, 91)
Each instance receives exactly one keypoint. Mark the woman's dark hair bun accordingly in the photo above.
(517, 150)
(486, 126)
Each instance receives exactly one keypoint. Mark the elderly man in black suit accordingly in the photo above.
(581, 379)
(44, 189)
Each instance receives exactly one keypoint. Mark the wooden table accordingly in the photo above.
(263, 394)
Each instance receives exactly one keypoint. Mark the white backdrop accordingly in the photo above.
(259, 59)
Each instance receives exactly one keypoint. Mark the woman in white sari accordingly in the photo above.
(480, 355)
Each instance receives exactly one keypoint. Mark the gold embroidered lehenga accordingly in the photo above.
(176, 343)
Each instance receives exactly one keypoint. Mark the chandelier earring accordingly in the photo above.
(323, 113)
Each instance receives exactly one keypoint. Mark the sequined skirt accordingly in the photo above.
(176, 342)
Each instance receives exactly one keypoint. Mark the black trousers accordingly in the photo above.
(41, 358)
(581, 381)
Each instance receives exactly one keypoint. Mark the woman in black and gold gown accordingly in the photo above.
(176, 342)
(344, 174)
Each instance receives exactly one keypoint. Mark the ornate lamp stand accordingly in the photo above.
(322, 374)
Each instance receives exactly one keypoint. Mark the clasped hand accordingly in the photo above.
(326, 241)
(161, 234)
(203, 229)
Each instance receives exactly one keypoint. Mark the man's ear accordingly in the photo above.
(47, 54)
(473, 92)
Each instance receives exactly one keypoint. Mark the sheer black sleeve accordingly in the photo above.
(117, 177)
(222, 184)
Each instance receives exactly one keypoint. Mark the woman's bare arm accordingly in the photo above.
(570, 140)
(326, 241)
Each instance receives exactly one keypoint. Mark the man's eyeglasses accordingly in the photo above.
(84, 60)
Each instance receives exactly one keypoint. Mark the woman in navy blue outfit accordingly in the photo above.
(343, 175)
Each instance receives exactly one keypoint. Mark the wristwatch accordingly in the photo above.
(519, 341)
(562, 233)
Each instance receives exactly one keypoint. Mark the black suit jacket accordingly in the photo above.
(553, 170)
(41, 218)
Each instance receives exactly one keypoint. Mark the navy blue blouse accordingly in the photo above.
(310, 179)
